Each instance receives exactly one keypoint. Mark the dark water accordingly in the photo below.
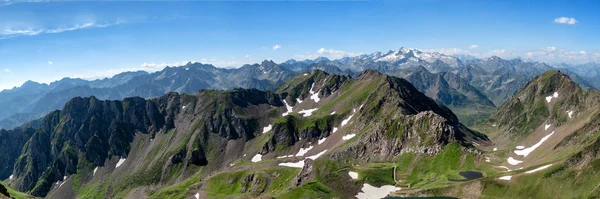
(468, 175)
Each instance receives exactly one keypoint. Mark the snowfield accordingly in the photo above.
(298, 164)
(349, 136)
(288, 108)
(513, 161)
(257, 158)
(121, 161)
(539, 169)
(371, 192)
(322, 140)
(307, 113)
(314, 157)
(353, 175)
(267, 128)
(505, 178)
(303, 151)
(549, 98)
(527, 151)
(314, 95)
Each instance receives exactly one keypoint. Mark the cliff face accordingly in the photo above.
(91, 131)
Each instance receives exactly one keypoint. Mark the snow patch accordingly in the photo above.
(257, 158)
(332, 113)
(322, 140)
(349, 136)
(487, 159)
(547, 126)
(493, 125)
(314, 157)
(370, 192)
(183, 107)
(513, 161)
(504, 167)
(305, 74)
(10, 177)
(298, 164)
(520, 147)
(334, 129)
(527, 151)
(285, 156)
(353, 175)
(549, 98)
(231, 164)
(121, 161)
(288, 108)
(539, 169)
(307, 113)
(344, 122)
(570, 114)
(267, 128)
(495, 149)
(314, 95)
(95, 169)
(299, 100)
(197, 196)
(505, 178)
(303, 151)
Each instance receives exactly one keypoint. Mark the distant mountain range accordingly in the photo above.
(449, 80)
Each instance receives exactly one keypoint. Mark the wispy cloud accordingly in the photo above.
(329, 53)
(556, 55)
(565, 20)
(474, 46)
(8, 33)
(49, 62)
(276, 47)
(6, 70)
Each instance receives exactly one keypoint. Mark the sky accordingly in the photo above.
(47, 40)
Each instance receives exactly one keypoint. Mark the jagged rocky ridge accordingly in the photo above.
(171, 138)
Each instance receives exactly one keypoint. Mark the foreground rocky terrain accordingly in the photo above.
(299, 141)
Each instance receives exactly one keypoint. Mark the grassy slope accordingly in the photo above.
(16, 194)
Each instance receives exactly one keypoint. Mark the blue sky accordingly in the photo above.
(47, 40)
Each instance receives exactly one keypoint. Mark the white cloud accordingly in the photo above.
(247, 56)
(6, 70)
(565, 20)
(8, 33)
(276, 46)
(159, 66)
(556, 55)
(49, 62)
(449, 51)
(329, 53)
(474, 46)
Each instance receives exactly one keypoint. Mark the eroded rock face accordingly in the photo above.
(91, 130)
(307, 173)
(424, 133)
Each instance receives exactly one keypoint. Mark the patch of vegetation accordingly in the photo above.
(313, 189)
(16, 194)
(178, 191)
(231, 184)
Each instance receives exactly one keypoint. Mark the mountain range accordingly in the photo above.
(461, 82)
(316, 135)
